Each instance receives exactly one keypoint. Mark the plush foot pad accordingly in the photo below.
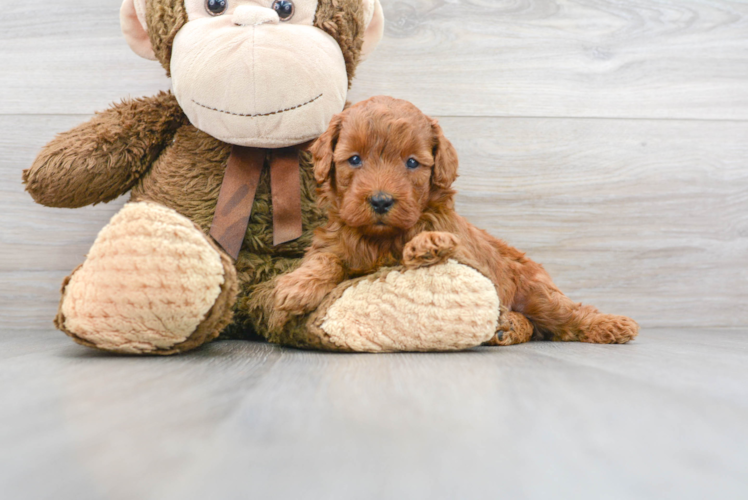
(446, 307)
(153, 283)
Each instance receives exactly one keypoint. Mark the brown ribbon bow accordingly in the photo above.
(238, 191)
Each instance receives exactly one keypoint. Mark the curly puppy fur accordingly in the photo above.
(385, 210)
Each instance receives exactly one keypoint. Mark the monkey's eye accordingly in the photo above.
(216, 7)
(284, 8)
(355, 161)
(412, 163)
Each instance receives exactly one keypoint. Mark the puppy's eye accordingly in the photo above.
(284, 8)
(355, 161)
(412, 163)
(216, 7)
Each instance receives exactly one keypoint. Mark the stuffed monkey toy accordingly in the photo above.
(222, 192)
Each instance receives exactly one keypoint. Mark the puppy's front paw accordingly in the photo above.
(296, 295)
(289, 296)
(429, 248)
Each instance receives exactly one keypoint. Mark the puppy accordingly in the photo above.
(385, 172)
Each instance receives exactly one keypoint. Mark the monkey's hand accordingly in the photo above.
(102, 159)
(429, 248)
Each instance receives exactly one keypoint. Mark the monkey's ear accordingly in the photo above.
(134, 27)
(324, 148)
(445, 159)
(374, 18)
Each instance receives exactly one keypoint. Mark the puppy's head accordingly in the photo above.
(380, 163)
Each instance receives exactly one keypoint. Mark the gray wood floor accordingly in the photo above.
(663, 417)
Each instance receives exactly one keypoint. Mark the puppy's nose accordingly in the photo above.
(381, 202)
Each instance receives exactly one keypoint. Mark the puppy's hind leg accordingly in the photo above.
(514, 328)
(553, 312)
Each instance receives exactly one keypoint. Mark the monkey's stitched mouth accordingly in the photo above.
(257, 115)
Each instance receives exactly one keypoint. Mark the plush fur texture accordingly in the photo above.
(149, 147)
(164, 19)
(365, 154)
(169, 162)
(428, 309)
(102, 159)
(195, 163)
(393, 309)
(177, 282)
(343, 20)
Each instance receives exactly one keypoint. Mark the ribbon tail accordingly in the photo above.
(236, 198)
(285, 188)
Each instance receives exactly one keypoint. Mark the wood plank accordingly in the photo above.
(237, 418)
(609, 58)
(695, 362)
(39, 246)
(69, 58)
(645, 218)
(37, 238)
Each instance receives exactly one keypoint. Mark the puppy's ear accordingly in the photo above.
(445, 159)
(324, 148)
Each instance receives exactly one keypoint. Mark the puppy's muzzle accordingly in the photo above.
(381, 202)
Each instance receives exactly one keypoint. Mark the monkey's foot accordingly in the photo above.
(445, 307)
(153, 283)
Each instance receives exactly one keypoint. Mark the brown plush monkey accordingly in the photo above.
(253, 83)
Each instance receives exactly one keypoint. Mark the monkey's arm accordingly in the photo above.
(101, 159)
